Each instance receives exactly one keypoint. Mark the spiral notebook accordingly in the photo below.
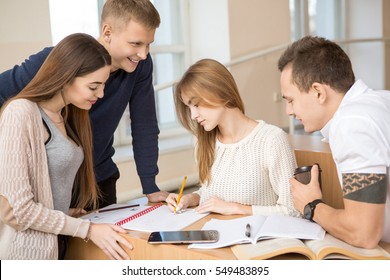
(146, 218)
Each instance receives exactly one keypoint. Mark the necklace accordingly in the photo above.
(244, 132)
(59, 122)
(55, 117)
(237, 136)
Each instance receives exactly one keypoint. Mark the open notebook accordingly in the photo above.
(233, 231)
(146, 218)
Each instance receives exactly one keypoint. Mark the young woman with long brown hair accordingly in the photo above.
(46, 152)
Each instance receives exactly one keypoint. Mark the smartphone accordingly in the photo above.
(183, 236)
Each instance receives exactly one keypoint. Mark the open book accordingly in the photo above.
(146, 218)
(261, 227)
(328, 248)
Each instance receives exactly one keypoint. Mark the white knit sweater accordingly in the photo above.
(28, 223)
(255, 171)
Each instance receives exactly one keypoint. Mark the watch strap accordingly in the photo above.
(313, 206)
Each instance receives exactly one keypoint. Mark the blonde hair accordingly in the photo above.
(207, 83)
(122, 11)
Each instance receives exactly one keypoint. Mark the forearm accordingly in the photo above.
(39, 219)
(359, 228)
(193, 199)
(361, 221)
(75, 227)
(282, 168)
(242, 209)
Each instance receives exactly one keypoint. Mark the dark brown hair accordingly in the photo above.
(316, 59)
(74, 56)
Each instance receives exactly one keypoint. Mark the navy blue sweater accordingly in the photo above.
(122, 88)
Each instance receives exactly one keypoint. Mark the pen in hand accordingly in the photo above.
(180, 193)
(248, 230)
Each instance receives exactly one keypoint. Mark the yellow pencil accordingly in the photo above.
(181, 192)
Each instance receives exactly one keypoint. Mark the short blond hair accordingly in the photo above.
(122, 11)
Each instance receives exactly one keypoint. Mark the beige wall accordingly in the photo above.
(173, 166)
(255, 26)
(24, 30)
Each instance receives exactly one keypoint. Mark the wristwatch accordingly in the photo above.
(308, 211)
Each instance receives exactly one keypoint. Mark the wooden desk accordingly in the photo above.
(79, 249)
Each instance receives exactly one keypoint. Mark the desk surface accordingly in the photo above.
(79, 249)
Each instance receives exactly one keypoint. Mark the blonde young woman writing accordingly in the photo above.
(244, 164)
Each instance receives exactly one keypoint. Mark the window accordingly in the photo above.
(347, 22)
(318, 18)
(73, 16)
(169, 56)
(169, 52)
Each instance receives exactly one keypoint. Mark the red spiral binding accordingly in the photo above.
(139, 214)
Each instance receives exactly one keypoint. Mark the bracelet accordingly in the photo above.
(86, 239)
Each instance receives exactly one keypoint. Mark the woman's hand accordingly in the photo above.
(220, 206)
(186, 201)
(107, 238)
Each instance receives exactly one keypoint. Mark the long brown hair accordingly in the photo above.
(75, 56)
(207, 83)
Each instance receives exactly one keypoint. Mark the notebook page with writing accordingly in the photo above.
(162, 219)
